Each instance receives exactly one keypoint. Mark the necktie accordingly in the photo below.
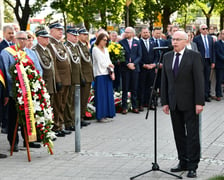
(206, 48)
(176, 64)
(157, 44)
(129, 42)
(147, 45)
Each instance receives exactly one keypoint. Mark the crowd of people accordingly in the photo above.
(79, 60)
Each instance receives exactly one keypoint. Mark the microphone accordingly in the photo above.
(164, 48)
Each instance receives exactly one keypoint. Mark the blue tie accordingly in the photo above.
(206, 48)
(176, 64)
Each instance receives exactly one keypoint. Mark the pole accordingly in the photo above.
(127, 11)
(77, 118)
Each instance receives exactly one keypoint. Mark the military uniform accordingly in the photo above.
(62, 64)
(76, 75)
(87, 71)
(47, 63)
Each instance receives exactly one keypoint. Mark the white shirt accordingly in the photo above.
(101, 61)
(180, 57)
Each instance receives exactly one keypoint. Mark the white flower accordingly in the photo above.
(20, 100)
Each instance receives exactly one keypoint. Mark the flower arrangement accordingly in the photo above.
(42, 109)
(116, 52)
(118, 101)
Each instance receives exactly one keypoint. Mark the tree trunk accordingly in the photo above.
(166, 18)
(86, 24)
(103, 19)
(208, 20)
(221, 19)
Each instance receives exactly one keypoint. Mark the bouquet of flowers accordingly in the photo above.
(42, 109)
(116, 52)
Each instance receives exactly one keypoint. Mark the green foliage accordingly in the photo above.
(8, 14)
(217, 178)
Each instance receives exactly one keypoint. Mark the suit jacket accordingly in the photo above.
(148, 57)
(219, 54)
(194, 46)
(134, 54)
(200, 44)
(3, 45)
(186, 89)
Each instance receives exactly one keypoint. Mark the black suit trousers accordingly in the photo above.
(146, 79)
(186, 133)
(207, 72)
(129, 83)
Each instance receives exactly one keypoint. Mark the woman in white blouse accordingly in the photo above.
(103, 73)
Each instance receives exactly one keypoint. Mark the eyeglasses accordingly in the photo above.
(21, 39)
(127, 32)
(105, 40)
(204, 29)
(177, 39)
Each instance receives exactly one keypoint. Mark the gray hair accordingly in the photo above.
(8, 27)
(113, 32)
(202, 25)
(182, 33)
(21, 32)
(132, 29)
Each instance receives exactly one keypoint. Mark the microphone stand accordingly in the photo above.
(153, 96)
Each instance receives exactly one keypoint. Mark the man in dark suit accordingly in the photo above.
(159, 42)
(219, 65)
(130, 69)
(182, 93)
(147, 68)
(8, 34)
(205, 46)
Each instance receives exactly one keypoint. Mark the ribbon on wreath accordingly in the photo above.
(27, 98)
(2, 78)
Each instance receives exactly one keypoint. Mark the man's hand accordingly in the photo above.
(131, 66)
(166, 109)
(198, 109)
(6, 100)
(213, 65)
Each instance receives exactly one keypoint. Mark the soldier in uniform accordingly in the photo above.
(46, 60)
(62, 63)
(87, 71)
(71, 44)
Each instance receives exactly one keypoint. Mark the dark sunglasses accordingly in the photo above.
(204, 29)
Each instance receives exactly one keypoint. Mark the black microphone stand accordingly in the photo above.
(153, 96)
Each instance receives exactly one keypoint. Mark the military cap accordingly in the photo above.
(56, 25)
(41, 31)
(72, 31)
(83, 31)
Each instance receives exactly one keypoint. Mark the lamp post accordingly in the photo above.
(1, 14)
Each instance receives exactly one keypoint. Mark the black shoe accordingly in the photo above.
(3, 156)
(65, 132)
(32, 145)
(207, 100)
(192, 174)
(178, 168)
(16, 148)
(84, 123)
(4, 131)
(141, 108)
(59, 134)
(71, 128)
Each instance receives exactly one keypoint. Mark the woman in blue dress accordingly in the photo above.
(103, 73)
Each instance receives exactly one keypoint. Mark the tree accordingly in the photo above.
(8, 14)
(187, 14)
(168, 7)
(207, 7)
(24, 10)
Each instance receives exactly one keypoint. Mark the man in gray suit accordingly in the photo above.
(182, 93)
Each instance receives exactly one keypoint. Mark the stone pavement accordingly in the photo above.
(118, 150)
